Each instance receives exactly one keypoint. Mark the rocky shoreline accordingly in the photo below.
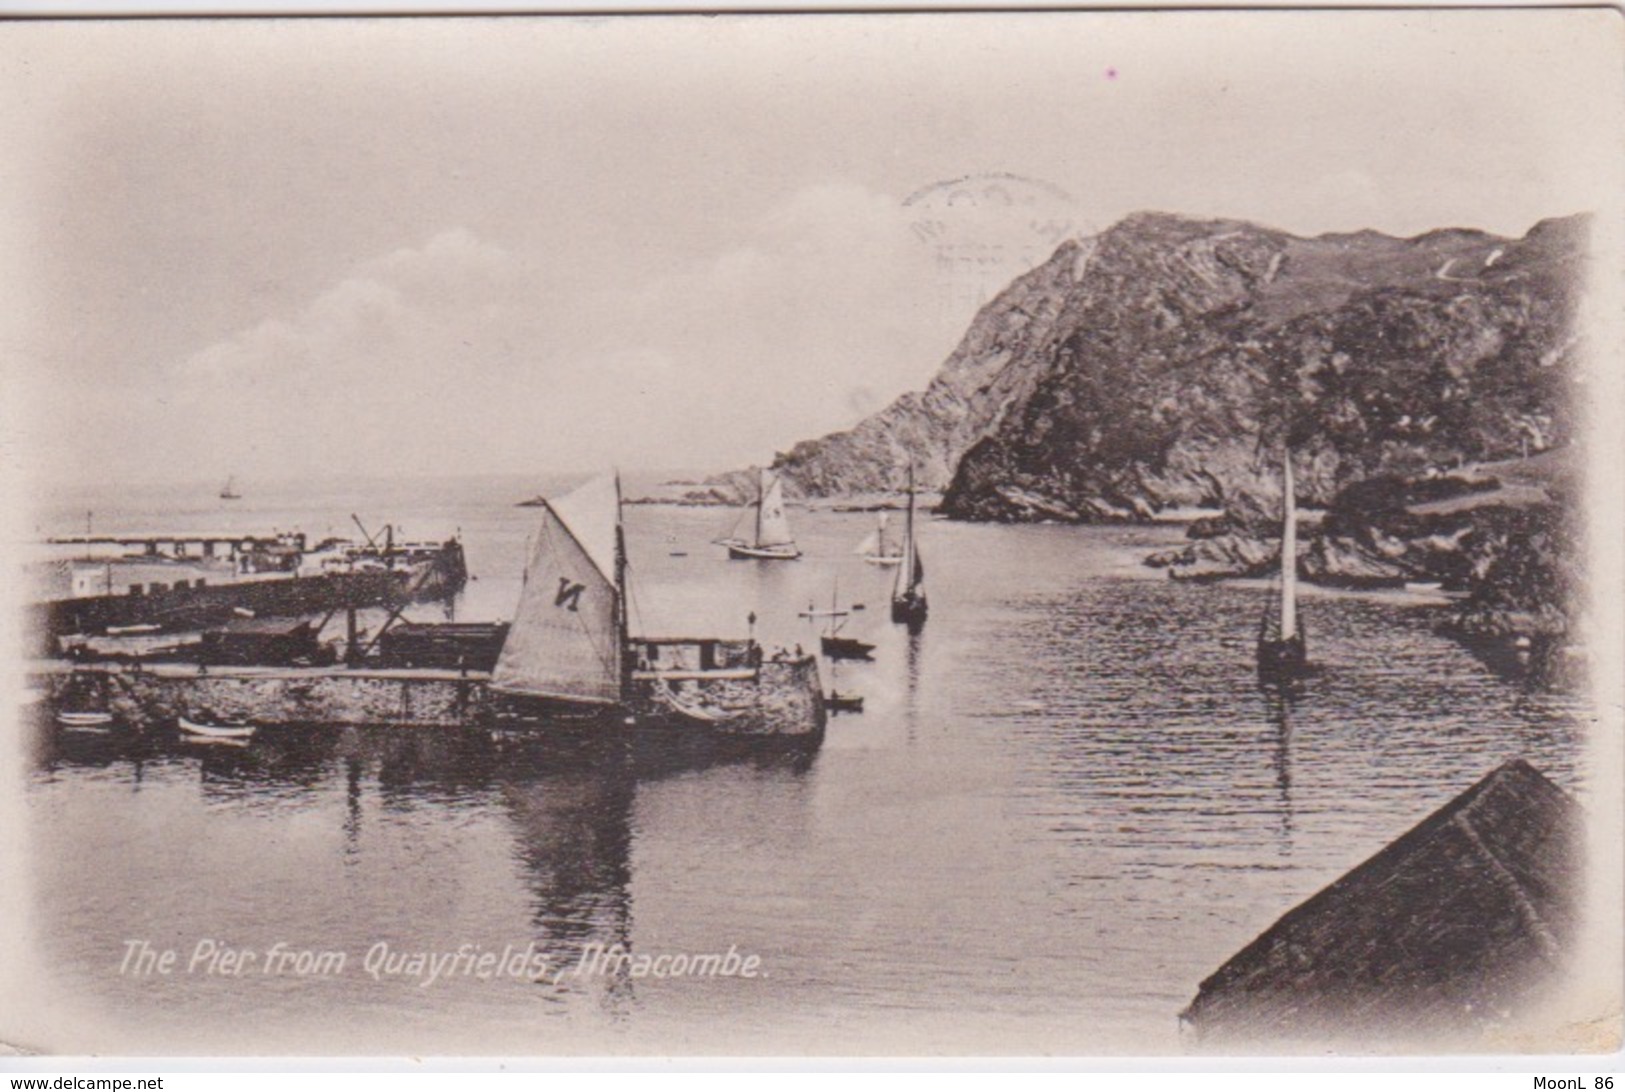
(1499, 541)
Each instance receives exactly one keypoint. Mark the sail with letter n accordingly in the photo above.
(566, 641)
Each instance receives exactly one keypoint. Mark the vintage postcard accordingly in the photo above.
(1051, 533)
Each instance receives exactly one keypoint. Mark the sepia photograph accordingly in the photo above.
(1047, 533)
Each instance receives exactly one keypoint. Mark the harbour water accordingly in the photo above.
(1064, 804)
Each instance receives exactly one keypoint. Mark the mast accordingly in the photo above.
(1289, 553)
(834, 606)
(761, 498)
(908, 531)
(622, 644)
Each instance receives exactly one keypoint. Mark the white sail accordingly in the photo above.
(772, 528)
(878, 546)
(1289, 554)
(565, 641)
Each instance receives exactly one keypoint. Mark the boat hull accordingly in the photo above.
(1282, 659)
(910, 611)
(84, 721)
(215, 731)
(846, 648)
(762, 553)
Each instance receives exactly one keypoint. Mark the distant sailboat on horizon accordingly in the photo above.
(229, 490)
(769, 529)
(1282, 651)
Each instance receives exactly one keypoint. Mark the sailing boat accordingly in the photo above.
(1282, 652)
(832, 643)
(568, 656)
(770, 538)
(229, 490)
(908, 604)
(876, 549)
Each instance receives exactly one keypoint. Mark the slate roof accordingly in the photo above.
(1455, 924)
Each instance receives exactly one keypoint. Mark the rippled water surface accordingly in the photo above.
(1065, 803)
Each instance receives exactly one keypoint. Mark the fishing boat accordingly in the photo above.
(908, 603)
(837, 647)
(1282, 651)
(88, 721)
(215, 731)
(762, 532)
(878, 548)
(831, 642)
(569, 654)
(229, 490)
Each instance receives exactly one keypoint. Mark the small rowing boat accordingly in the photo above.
(84, 721)
(216, 731)
(843, 703)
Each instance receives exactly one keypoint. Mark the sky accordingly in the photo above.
(285, 248)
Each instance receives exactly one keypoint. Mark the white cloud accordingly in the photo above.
(460, 355)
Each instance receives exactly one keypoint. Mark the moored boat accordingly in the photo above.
(843, 703)
(845, 648)
(215, 731)
(88, 721)
(125, 631)
(831, 643)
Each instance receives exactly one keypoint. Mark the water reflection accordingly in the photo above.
(1278, 703)
(566, 805)
(572, 826)
(913, 660)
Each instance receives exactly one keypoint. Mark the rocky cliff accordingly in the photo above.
(1164, 361)
(1192, 352)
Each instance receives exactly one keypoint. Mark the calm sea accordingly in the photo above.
(1064, 804)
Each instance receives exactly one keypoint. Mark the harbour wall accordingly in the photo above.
(783, 701)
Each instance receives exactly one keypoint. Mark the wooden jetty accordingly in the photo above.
(1453, 929)
(185, 600)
